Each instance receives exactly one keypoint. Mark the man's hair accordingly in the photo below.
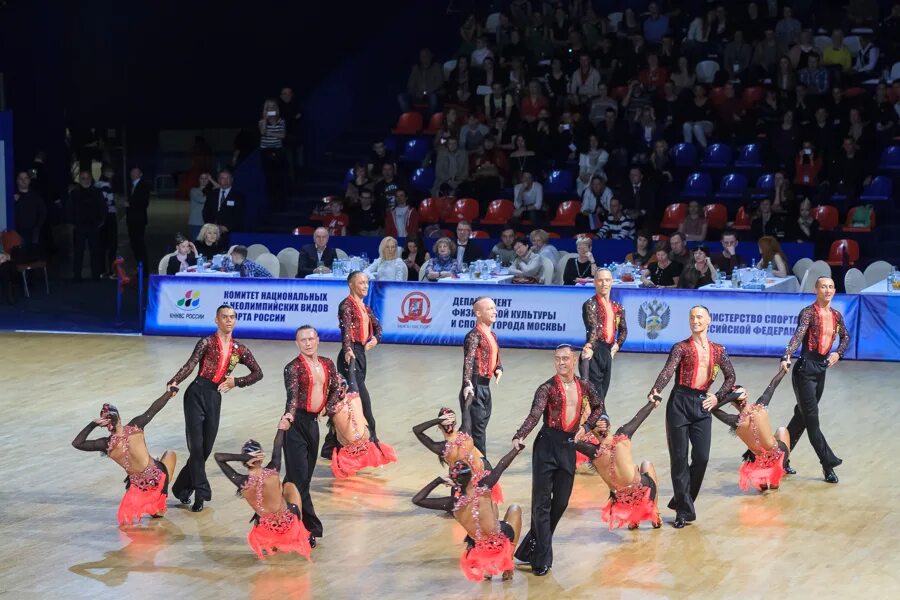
(662, 246)
(242, 250)
(222, 307)
(508, 228)
(703, 307)
(479, 299)
(463, 222)
(353, 274)
(728, 232)
(679, 234)
(569, 347)
(304, 328)
(226, 170)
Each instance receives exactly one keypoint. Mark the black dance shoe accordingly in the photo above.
(789, 470)
(830, 475)
(184, 499)
(540, 571)
(198, 505)
(312, 541)
(679, 522)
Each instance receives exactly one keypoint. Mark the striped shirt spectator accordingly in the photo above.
(272, 134)
(617, 225)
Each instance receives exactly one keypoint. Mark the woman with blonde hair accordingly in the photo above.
(770, 251)
(442, 263)
(388, 266)
(209, 242)
(540, 245)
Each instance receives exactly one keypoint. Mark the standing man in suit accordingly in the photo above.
(86, 210)
(136, 204)
(466, 250)
(316, 257)
(639, 199)
(225, 206)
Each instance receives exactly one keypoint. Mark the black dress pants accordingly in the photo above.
(808, 379)
(600, 368)
(688, 427)
(202, 405)
(479, 411)
(343, 368)
(301, 448)
(91, 240)
(138, 245)
(553, 473)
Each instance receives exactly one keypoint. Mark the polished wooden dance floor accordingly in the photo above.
(60, 538)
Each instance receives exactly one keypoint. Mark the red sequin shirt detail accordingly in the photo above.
(357, 322)
(217, 363)
(684, 359)
(601, 326)
(811, 332)
(550, 403)
(298, 384)
(481, 354)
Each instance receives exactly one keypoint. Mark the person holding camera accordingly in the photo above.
(272, 131)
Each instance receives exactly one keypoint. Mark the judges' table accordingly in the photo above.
(468, 279)
(773, 284)
(881, 288)
(207, 274)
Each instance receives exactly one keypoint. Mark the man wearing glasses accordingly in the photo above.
(466, 251)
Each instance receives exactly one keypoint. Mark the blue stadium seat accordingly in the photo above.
(349, 176)
(890, 159)
(765, 183)
(422, 179)
(732, 187)
(717, 156)
(685, 155)
(560, 182)
(749, 157)
(392, 144)
(880, 190)
(698, 185)
(416, 150)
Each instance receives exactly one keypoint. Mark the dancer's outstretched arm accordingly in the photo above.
(427, 441)
(422, 499)
(275, 463)
(770, 390)
(144, 419)
(631, 426)
(491, 480)
(82, 443)
(223, 458)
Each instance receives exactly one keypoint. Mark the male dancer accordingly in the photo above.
(310, 382)
(604, 324)
(560, 400)
(217, 355)
(817, 326)
(697, 361)
(481, 361)
(360, 331)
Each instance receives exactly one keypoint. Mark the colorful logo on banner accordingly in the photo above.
(190, 301)
(415, 307)
(653, 316)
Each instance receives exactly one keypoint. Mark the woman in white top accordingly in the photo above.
(388, 266)
(198, 200)
(590, 164)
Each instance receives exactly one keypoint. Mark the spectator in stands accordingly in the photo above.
(637, 196)
(804, 228)
(821, 132)
(653, 76)
(814, 77)
(481, 51)
(335, 219)
(683, 78)
(614, 135)
(884, 116)
(807, 168)
(805, 48)
(425, 84)
(462, 83)
(600, 104)
(528, 198)
(385, 191)
(367, 219)
(785, 78)
(498, 102)
(559, 27)
(225, 206)
(788, 29)
(645, 133)
(388, 266)
(595, 201)
(467, 251)
(238, 262)
(765, 222)
(272, 131)
(784, 138)
(584, 82)
(442, 263)
(208, 242)
(557, 84)
(679, 252)
(414, 256)
(699, 272)
(316, 257)
(185, 256)
(527, 266)
(802, 107)
(641, 256)
(472, 133)
(378, 158)
(290, 111)
(848, 173)
(737, 56)
(487, 167)
(767, 54)
(531, 105)
(694, 225)
(782, 194)
(581, 266)
(137, 201)
(664, 272)
(361, 181)
(770, 252)
(30, 211)
(87, 212)
(635, 100)
(617, 225)
(865, 65)
(656, 25)
(862, 13)
(837, 54)
(698, 118)
(590, 164)
(403, 220)
(451, 169)
(503, 251)
(503, 135)
(486, 78)
(522, 159)
(890, 30)
(661, 163)
(861, 132)
(540, 245)
(198, 196)
(728, 259)
(469, 32)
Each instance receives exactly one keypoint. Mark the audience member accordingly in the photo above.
(582, 266)
(865, 66)
(403, 220)
(425, 83)
(335, 220)
(488, 168)
(728, 259)
(208, 242)
(527, 266)
(540, 245)
(528, 199)
(198, 196)
(617, 225)
(698, 118)
(185, 256)
(664, 272)
(136, 204)
(590, 164)
(366, 219)
(388, 266)
(360, 181)
(385, 191)
(765, 222)
(584, 81)
(637, 196)
(641, 256)
(523, 160)
(595, 201)
(237, 262)
(837, 54)
(782, 195)
(770, 252)
(414, 256)
(87, 212)
(467, 251)
(699, 272)
(224, 205)
(472, 133)
(272, 131)
(679, 252)
(451, 169)
(815, 77)
(316, 257)
(443, 263)
(503, 251)
(694, 225)
(804, 228)
(378, 158)
(788, 29)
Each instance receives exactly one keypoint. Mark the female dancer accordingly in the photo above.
(632, 496)
(457, 445)
(277, 524)
(356, 451)
(767, 455)
(147, 485)
(490, 542)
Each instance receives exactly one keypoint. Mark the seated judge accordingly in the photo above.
(185, 256)
(316, 257)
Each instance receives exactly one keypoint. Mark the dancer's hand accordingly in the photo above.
(448, 420)
(653, 392)
(710, 401)
(285, 423)
(446, 480)
(786, 365)
(371, 344)
(468, 392)
(743, 395)
(227, 384)
(614, 350)
(655, 400)
(102, 422)
(171, 384)
(518, 444)
(498, 374)
(349, 357)
(580, 433)
(173, 390)
(602, 426)
(587, 352)
(833, 358)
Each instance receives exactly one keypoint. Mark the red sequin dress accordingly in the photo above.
(767, 468)
(492, 552)
(628, 505)
(146, 491)
(280, 531)
(359, 452)
(462, 444)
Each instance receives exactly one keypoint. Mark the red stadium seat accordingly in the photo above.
(841, 250)
(660, 237)
(478, 234)
(619, 92)
(741, 220)
(716, 216)
(463, 209)
(674, 215)
(854, 92)
(566, 213)
(552, 235)
(848, 226)
(752, 96)
(304, 230)
(409, 123)
(499, 212)
(827, 216)
(717, 96)
(431, 210)
(434, 123)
